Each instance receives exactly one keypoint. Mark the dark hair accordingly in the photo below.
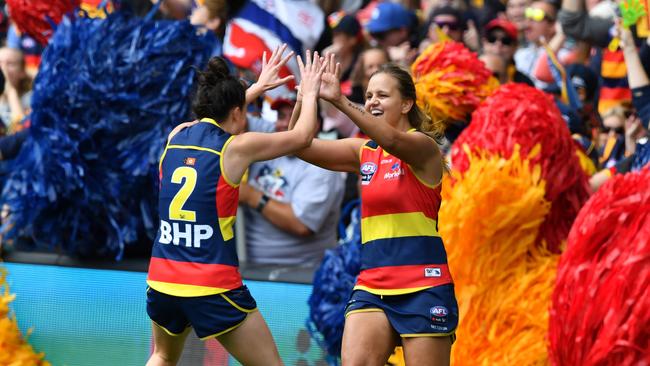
(218, 91)
(418, 119)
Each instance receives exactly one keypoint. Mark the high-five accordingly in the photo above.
(193, 279)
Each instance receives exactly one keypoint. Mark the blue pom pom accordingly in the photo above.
(107, 94)
(332, 287)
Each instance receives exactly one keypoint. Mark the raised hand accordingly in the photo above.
(311, 73)
(330, 87)
(269, 76)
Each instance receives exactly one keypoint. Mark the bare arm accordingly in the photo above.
(278, 213)
(636, 75)
(252, 146)
(338, 155)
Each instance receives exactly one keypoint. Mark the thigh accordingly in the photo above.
(368, 339)
(167, 347)
(427, 351)
(251, 343)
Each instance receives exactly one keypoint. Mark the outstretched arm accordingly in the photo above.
(251, 146)
(416, 149)
(270, 75)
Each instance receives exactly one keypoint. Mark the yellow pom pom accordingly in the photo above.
(489, 220)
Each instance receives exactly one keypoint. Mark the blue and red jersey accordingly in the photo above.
(194, 253)
(402, 251)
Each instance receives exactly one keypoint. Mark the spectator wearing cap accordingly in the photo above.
(390, 24)
(347, 42)
(501, 39)
(291, 207)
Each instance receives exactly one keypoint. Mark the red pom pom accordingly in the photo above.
(521, 115)
(34, 17)
(600, 314)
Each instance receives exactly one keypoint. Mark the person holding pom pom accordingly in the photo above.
(404, 293)
(193, 279)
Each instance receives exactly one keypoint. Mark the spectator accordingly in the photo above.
(540, 27)
(291, 207)
(369, 62)
(213, 15)
(390, 24)
(450, 21)
(15, 101)
(613, 136)
(392, 27)
(497, 65)
(515, 13)
(347, 42)
(501, 39)
(30, 48)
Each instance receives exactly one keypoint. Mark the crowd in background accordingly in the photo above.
(521, 41)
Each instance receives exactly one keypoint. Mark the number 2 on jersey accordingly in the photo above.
(187, 176)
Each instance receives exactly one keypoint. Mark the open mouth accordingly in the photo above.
(376, 112)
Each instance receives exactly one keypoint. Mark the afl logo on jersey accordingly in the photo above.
(439, 314)
(190, 161)
(367, 171)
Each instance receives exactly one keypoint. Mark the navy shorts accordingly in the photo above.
(428, 313)
(210, 316)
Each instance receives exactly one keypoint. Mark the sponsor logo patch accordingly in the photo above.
(439, 314)
(432, 272)
(190, 161)
(367, 171)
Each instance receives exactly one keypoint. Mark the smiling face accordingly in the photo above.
(383, 98)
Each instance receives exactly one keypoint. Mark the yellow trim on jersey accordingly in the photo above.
(168, 332)
(367, 310)
(211, 121)
(223, 172)
(397, 226)
(237, 306)
(226, 224)
(399, 291)
(162, 157)
(180, 290)
(225, 331)
(432, 186)
(427, 335)
(192, 147)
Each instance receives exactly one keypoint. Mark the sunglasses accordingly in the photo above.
(506, 41)
(537, 15)
(617, 130)
(452, 26)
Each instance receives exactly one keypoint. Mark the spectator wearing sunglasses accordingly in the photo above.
(540, 26)
(451, 22)
(612, 136)
(500, 39)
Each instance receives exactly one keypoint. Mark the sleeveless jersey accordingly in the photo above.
(402, 251)
(194, 253)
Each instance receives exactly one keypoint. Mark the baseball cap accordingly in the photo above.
(506, 26)
(583, 77)
(388, 16)
(344, 23)
(288, 99)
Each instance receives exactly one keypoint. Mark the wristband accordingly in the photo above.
(262, 203)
